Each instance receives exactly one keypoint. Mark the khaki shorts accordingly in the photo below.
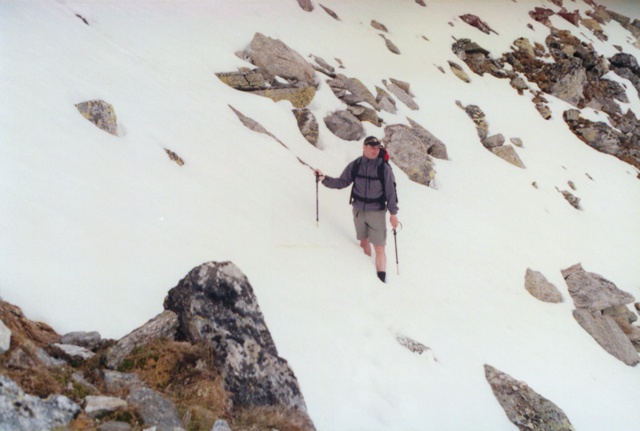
(372, 225)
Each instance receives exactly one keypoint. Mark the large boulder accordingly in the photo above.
(216, 305)
(409, 150)
(524, 407)
(592, 291)
(276, 57)
(23, 412)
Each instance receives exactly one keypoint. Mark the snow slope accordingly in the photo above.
(95, 229)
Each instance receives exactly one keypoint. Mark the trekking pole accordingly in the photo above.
(395, 241)
(317, 202)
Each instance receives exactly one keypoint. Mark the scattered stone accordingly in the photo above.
(306, 5)
(411, 344)
(164, 325)
(71, 353)
(403, 95)
(421, 3)
(173, 156)
(344, 125)
(476, 22)
(328, 69)
(308, 125)
(88, 340)
(83, 19)
(592, 291)
(538, 286)
(101, 114)
(378, 26)
(216, 304)
(390, 45)
(524, 407)
(459, 72)
(517, 142)
(221, 425)
(5, 338)
(23, 412)
(331, 13)
(608, 334)
(252, 124)
(156, 410)
(114, 426)
(99, 405)
(573, 200)
(493, 141)
(509, 154)
(624, 319)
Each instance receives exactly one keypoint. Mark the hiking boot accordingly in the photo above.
(382, 276)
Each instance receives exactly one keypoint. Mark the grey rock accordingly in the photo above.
(306, 5)
(114, 426)
(493, 141)
(216, 305)
(308, 125)
(624, 319)
(23, 412)
(79, 379)
(435, 147)
(88, 340)
(517, 142)
(101, 114)
(162, 326)
(155, 410)
(385, 101)
(18, 358)
(524, 407)
(116, 381)
(401, 94)
(277, 58)
(390, 45)
(607, 334)
(351, 91)
(538, 286)
(100, 405)
(410, 153)
(509, 154)
(48, 360)
(71, 352)
(5, 338)
(344, 125)
(330, 12)
(570, 87)
(592, 291)
(221, 425)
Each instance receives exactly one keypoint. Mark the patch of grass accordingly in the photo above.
(268, 418)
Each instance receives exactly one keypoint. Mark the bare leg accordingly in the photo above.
(381, 258)
(366, 246)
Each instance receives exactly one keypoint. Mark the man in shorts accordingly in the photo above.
(373, 193)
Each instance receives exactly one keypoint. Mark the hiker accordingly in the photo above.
(372, 194)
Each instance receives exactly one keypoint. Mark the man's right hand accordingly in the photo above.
(319, 174)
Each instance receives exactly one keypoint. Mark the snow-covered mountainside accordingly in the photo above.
(95, 227)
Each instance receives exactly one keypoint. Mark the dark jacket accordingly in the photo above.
(367, 185)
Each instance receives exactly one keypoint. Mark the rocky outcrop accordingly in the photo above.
(524, 407)
(597, 301)
(216, 305)
(101, 114)
(23, 412)
(537, 285)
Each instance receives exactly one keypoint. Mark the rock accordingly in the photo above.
(101, 114)
(570, 80)
(508, 153)
(114, 426)
(156, 411)
(411, 344)
(244, 79)
(493, 141)
(572, 17)
(88, 340)
(298, 96)
(252, 124)
(327, 68)
(519, 84)
(524, 407)
(174, 157)
(573, 200)
(221, 425)
(608, 334)
(435, 147)
(378, 26)
(459, 72)
(517, 142)
(538, 286)
(390, 45)
(99, 405)
(116, 381)
(351, 91)
(216, 305)
(19, 359)
(164, 325)
(308, 125)
(23, 412)
(344, 125)
(72, 353)
(592, 291)
(277, 58)
(624, 319)
(476, 22)
(47, 360)
(384, 101)
(363, 113)
(331, 13)
(402, 94)
(410, 153)
(5, 338)
(542, 15)
(306, 5)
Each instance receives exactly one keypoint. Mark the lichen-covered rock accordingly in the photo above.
(538, 286)
(216, 304)
(307, 124)
(410, 152)
(298, 96)
(524, 407)
(101, 114)
(23, 412)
